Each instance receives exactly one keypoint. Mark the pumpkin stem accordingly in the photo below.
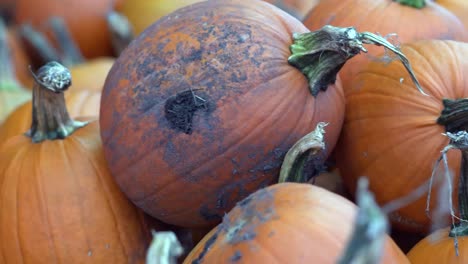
(292, 169)
(321, 54)
(454, 116)
(71, 54)
(39, 43)
(8, 80)
(165, 248)
(413, 3)
(121, 31)
(367, 241)
(50, 118)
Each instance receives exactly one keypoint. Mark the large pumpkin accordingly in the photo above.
(200, 109)
(285, 223)
(393, 134)
(86, 19)
(386, 17)
(58, 200)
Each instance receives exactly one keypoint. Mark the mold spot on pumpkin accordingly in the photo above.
(180, 109)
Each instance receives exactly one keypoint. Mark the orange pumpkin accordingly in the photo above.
(143, 13)
(85, 18)
(63, 206)
(202, 99)
(285, 223)
(385, 17)
(393, 134)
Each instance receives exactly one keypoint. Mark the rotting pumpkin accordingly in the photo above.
(286, 223)
(58, 200)
(200, 109)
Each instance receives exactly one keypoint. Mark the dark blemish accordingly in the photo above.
(268, 167)
(180, 109)
(234, 172)
(208, 244)
(195, 55)
(237, 256)
(207, 214)
(278, 153)
(245, 201)
(252, 155)
(272, 233)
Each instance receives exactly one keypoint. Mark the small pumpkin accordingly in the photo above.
(85, 18)
(63, 206)
(12, 94)
(143, 13)
(394, 135)
(202, 99)
(285, 223)
(427, 21)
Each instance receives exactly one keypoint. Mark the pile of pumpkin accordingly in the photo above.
(196, 116)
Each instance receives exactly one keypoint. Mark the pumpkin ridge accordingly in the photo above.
(79, 145)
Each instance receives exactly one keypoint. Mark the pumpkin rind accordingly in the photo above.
(251, 107)
(390, 133)
(285, 223)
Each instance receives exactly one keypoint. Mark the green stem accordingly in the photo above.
(8, 78)
(50, 118)
(454, 116)
(121, 31)
(71, 54)
(292, 169)
(413, 3)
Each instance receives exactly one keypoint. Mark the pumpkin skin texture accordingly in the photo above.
(86, 20)
(285, 223)
(385, 17)
(143, 13)
(233, 54)
(79, 103)
(60, 203)
(441, 248)
(391, 133)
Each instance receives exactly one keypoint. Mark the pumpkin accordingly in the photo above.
(386, 17)
(202, 99)
(143, 13)
(63, 206)
(393, 134)
(285, 223)
(458, 7)
(85, 18)
(441, 247)
(79, 103)
(12, 94)
(297, 8)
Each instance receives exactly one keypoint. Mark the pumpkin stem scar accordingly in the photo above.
(164, 248)
(71, 54)
(454, 116)
(321, 54)
(50, 118)
(180, 109)
(366, 244)
(292, 169)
